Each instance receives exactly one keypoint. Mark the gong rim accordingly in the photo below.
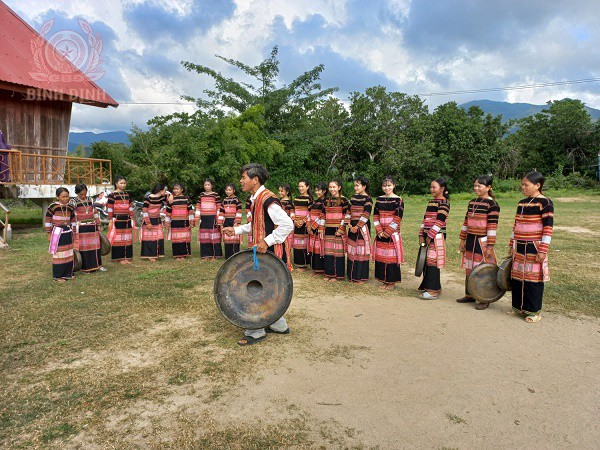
(421, 258)
(504, 278)
(77, 262)
(482, 283)
(253, 299)
(105, 246)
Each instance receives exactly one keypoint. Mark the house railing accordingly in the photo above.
(17, 167)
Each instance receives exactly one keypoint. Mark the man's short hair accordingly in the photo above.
(256, 170)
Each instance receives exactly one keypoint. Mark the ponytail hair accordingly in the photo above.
(486, 180)
(536, 177)
(181, 186)
(212, 183)
(119, 178)
(444, 185)
(308, 191)
(60, 190)
(364, 181)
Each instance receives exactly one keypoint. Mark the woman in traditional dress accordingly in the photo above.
(388, 251)
(332, 229)
(231, 216)
(207, 212)
(316, 245)
(60, 221)
(180, 216)
(120, 216)
(359, 232)
(529, 245)
(287, 203)
(433, 234)
(87, 231)
(300, 216)
(478, 233)
(152, 234)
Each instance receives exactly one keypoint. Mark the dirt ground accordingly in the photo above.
(398, 372)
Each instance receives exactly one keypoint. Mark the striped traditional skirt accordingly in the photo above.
(152, 237)
(121, 238)
(181, 238)
(209, 236)
(62, 254)
(88, 244)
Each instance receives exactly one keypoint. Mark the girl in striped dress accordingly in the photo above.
(207, 212)
(332, 229)
(388, 251)
(433, 234)
(359, 232)
(529, 245)
(120, 216)
(59, 224)
(478, 233)
(152, 234)
(300, 216)
(231, 216)
(87, 239)
(287, 203)
(315, 243)
(180, 216)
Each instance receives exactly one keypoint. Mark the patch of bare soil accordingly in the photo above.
(576, 230)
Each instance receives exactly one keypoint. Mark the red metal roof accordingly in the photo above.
(28, 61)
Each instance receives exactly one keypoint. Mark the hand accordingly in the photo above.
(338, 233)
(321, 234)
(511, 252)
(489, 253)
(462, 246)
(354, 229)
(262, 247)
(540, 257)
(428, 240)
(170, 198)
(421, 239)
(380, 234)
(229, 231)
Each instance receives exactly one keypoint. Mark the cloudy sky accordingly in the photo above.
(418, 47)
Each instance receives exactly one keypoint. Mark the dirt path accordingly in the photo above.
(394, 371)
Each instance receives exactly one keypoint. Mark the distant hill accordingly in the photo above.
(88, 138)
(511, 111)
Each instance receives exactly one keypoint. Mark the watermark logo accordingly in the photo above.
(82, 50)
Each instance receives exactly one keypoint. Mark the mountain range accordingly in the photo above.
(508, 111)
(511, 111)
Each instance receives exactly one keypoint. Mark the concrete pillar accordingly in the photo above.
(45, 204)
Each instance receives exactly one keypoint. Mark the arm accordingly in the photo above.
(366, 214)
(283, 225)
(110, 205)
(238, 212)
(48, 221)
(145, 212)
(376, 223)
(548, 223)
(492, 224)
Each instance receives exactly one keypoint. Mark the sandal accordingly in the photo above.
(271, 330)
(249, 340)
(533, 319)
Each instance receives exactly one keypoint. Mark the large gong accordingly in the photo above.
(504, 278)
(482, 283)
(421, 259)
(252, 298)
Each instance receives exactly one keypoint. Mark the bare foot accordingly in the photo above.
(301, 269)
(389, 287)
(152, 260)
(332, 280)
(123, 261)
(60, 280)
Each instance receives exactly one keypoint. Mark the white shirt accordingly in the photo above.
(283, 224)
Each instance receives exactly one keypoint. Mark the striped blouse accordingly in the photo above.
(481, 219)
(435, 218)
(534, 222)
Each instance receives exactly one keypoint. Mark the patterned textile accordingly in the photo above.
(180, 215)
(87, 239)
(532, 234)
(387, 219)
(301, 213)
(259, 229)
(59, 225)
(209, 234)
(152, 235)
(231, 215)
(434, 225)
(333, 214)
(120, 215)
(479, 231)
(249, 220)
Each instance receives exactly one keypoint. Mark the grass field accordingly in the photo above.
(145, 313)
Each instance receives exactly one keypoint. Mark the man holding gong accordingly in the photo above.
(270, 227)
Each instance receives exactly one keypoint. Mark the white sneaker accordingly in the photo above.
(427, 296)
(102, 269)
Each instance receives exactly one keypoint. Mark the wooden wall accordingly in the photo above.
(35, 126)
